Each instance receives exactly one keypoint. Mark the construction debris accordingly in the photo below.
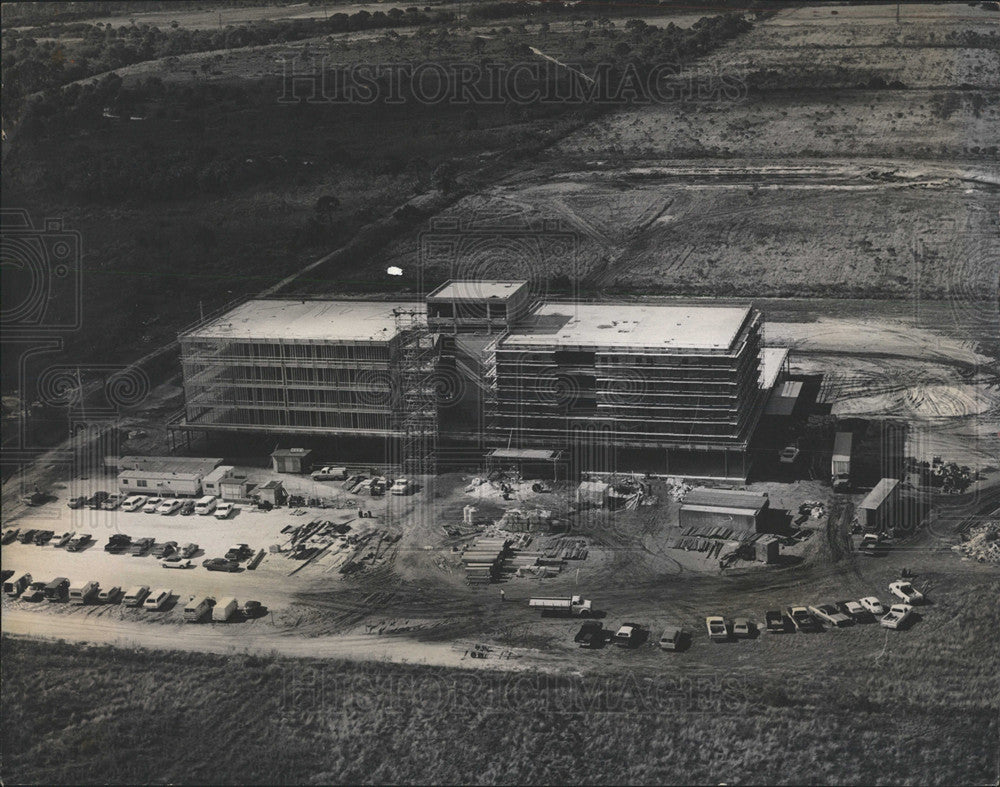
(983, 544)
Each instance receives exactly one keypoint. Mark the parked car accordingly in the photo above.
(112, 502)
(902, 589)
(187, 508)
(377, 487)
(743, 628)
(401, 486)
(671, 638)
(717, 629)
(897, 616)
(166, 549)
(206, 505)
(774, 621)
(77, 502)
(189, 550)
(630, 635)
(789, 454)
(873, 605)
(590, 635)
(27, 536)
(109, 595)
(252, 609)
(43, 537)
(64, 539)
(152, 504)
(221, 564)
(830, 614)
(135, 596)
(239, 552)
(78, 542)
(9, 535)
(157, 599)
(118, 543)
(168, 507)
(801, 618)
(97, 499)
(34, 592)
(330, 474)
(852, 609)
(134, 503)
(176, 561)
(223, 510)
(141, 546)
(57, 590)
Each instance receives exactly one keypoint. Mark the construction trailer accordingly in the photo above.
(875, 512)
(733, 509)
(164, 476)
(669, 390)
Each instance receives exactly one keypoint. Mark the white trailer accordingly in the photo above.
(840, 465)
(224, 609)
(562, 605)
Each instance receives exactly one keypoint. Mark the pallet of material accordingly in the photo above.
(255, 561)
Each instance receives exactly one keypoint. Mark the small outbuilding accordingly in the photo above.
(734, 509)
(291, 460)
(272, 492)
(592, 494)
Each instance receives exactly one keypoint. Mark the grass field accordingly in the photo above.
(107, 715)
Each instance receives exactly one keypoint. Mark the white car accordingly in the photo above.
(112, 502)
(330, 474)
(897, 616)
(134, 503)
(168, 507)
(873, 605)
(152, 504)
(905, 591)
(402, 486)
(176, 562)
(223, 510)
(789, 454)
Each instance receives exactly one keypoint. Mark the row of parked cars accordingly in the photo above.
(74, 542)
(166, 506)
(61, 590)
(593, 634)
(171, 555)
(837, 614)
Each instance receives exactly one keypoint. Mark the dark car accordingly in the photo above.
(77, 502)
(141, 546)
(239, 552)
(165, 549)
(189, 550)
(118, 543)
(27, 536)
(98, 499)
(78, 542)
(253, 609)
(42, 537)
(187, 507)
(57, 589)
(9, 535)
(221, 564)
(775, 621)
(590, 635)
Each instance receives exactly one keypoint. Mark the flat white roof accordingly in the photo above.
(633, 325)
(477, 290)
(772, 359)
(315, 320)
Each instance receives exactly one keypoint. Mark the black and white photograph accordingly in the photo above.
(500, 392)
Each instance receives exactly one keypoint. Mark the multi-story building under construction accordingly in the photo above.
(653, 388)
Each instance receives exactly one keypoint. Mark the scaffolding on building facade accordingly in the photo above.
(416, 413)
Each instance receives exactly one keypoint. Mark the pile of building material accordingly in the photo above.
(517, 520)
(483, 559)
(813, 508)
(983, 544)
(678, 489)
(723, 532)
(567, 549)
(710, 546)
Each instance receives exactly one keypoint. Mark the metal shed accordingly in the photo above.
(879, 505)
(291, 460)
(735, 509)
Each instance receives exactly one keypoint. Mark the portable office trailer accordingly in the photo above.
(876, 510)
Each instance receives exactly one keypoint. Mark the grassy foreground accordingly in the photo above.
(83, 715)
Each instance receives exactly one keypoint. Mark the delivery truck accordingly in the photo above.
(840, 465)
(562, 605)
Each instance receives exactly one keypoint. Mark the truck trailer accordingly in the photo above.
(563, 605)
(224, 609)
(840, 465)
